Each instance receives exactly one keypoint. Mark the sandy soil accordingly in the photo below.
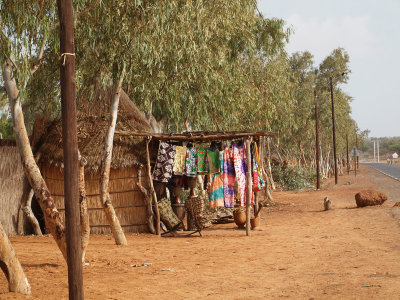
(302, 252)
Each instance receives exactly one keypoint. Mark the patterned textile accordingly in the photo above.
(180, 160)
(164, 164)
(216, 190)
(229, 178)
(202, 163)
(213, 161)
(195, 206)
(239, 157)
(191, 162)
(167, 215)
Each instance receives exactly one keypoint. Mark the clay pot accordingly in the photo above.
(255, 222)
(240, 218)
(179, 210)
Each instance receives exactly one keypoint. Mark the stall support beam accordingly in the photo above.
(153, 192)
(249, 186)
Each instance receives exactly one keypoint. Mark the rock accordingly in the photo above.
(397, 204)
(369, 198)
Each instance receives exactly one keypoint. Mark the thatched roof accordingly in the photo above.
(93, 121)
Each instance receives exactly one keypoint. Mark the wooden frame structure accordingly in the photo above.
(202, 137)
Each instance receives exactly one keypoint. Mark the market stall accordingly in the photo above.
(227, 157)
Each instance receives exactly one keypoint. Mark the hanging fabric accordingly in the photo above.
(213, 161)
(239, 157)
(164, 164)
(191, 162)
(202, 163)
(180, 160)
(229, 178)
(216, 190)
(258, 183)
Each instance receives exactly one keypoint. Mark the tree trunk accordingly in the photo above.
(26, 204)
(32, 172)
(147, 200)
(9, 263)
(84, 217)
(112, 218)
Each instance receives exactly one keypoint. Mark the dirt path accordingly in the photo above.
(302, 253)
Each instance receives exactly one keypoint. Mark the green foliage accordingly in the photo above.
(292, 177)
(6, 128)
(214, 64)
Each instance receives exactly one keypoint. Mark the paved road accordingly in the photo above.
(389, 170)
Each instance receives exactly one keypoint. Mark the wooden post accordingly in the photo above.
(153, 192)
(347, 154)
(70, 146)
(317, 156)
(249, 186)
(334, 132)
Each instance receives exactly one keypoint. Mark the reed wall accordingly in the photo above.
(126, 198)
(11, 186)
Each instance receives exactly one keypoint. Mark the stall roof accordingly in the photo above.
(198, 136)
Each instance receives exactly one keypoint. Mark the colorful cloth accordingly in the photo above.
(164, 164)
(191, 162)
(202, 163)
(213, 161)
(229, 178)
(216, 191)
(167, 215)
(180, 160)
(239, 157)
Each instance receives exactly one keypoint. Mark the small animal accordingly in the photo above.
(327, 203)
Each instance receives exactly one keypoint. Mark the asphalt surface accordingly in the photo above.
(387, 169)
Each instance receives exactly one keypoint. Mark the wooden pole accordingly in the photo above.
(153, 192)
(334, 132)
(70, 146)
(317, 155)
(347, 153)
(249, 186)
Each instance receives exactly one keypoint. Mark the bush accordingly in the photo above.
(292, 177)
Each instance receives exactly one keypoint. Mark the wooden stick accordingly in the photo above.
(249, 186)
(147, 200)
(153, 192)
(196, 136)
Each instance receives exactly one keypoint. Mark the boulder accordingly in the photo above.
(397, 204)
(370, 198)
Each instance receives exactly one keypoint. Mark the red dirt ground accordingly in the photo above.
(302, 252)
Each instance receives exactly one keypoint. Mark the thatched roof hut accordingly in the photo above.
(128, 154)
(11, 187)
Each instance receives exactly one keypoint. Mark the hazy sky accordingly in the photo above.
(370, 32)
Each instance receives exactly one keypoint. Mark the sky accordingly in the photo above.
(369, 31)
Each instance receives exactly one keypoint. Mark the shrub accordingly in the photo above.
(292, 177)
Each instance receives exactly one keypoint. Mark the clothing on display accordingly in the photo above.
(164, 164)
(180, 160)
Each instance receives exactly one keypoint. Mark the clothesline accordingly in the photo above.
(197, 136)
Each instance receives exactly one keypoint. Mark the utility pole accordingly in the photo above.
(70, 147)
(347, 154)
(334, 131)
(377, 141)
(317, 140)
(357, 148)
(374, 152)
